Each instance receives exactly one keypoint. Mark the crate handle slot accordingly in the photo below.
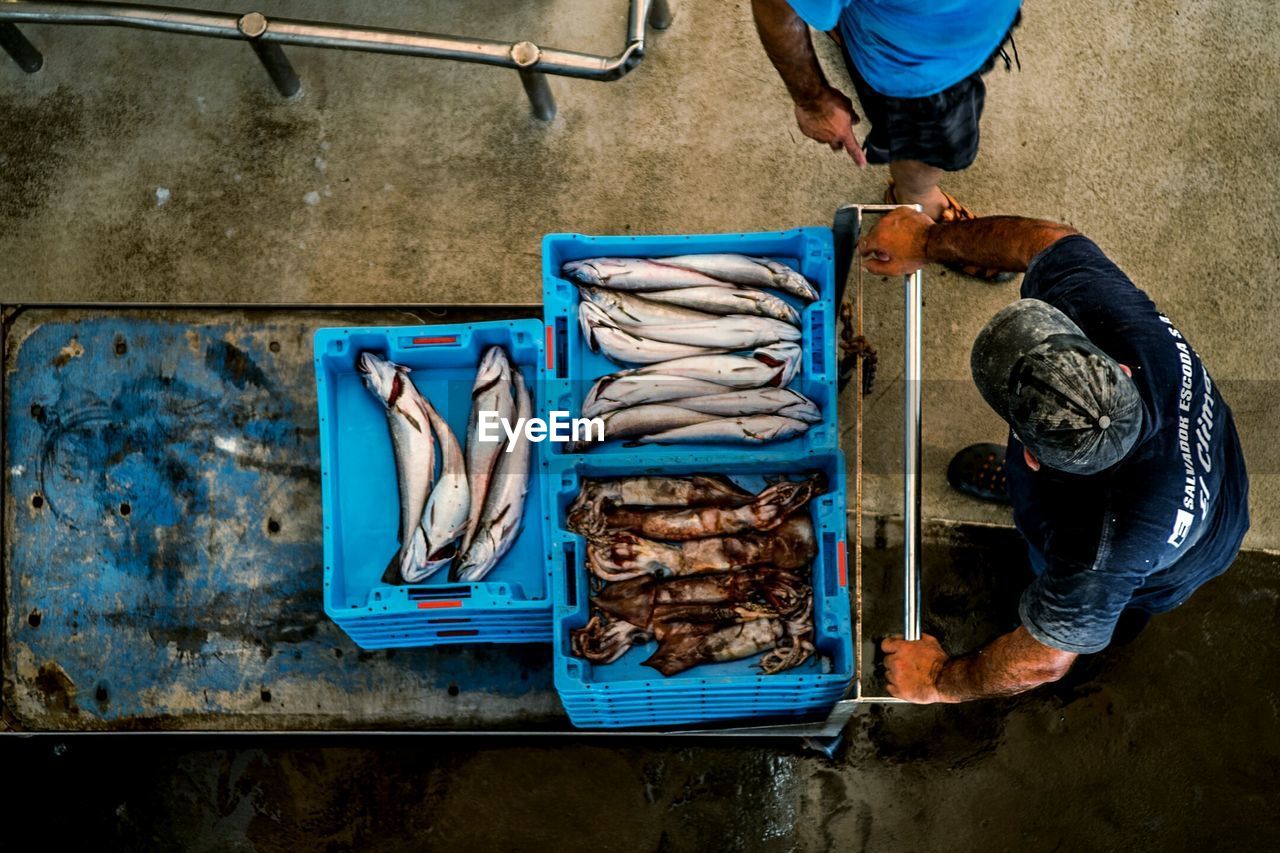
(558, 355)
(435, 593)
(458, 632)
(831, 564)
(817, 345)
(570, 582)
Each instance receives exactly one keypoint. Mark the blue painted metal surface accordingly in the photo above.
(164, 560)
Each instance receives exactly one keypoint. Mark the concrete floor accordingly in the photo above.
(1151, 127)
(1169, 743)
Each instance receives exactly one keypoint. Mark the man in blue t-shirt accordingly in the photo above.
(1123, 464)
(917, 68)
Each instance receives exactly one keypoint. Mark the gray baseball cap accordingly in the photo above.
(1067, 401)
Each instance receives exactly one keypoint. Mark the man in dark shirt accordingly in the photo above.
(1123, 464)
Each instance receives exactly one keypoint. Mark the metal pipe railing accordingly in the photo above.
(19, 49)
(268, 37)
(911, 424)
(847, 228)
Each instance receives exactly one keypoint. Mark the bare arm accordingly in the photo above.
(922, 672)
(904, 240)
(994, 242)
(1010, 664)
(786, 40)
(823, 112)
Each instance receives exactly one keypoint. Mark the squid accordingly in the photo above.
(729, 582)
(796, 645)
(585, 513)
(619, 555)
(786, 641)
(767, 510)
(775, 591)
(601, 641)
(684, 649)
(693, 634)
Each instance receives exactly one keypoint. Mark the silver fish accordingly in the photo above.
(626, 388)
(754, 429)
(774, 365)
(754, 401)
(629, 309)
(748, 271)
(727, 300)
(635, 274)
(410, 439)
(622, 345)
(491, 393)
(730, 332)
(504, 505)
(445, 518)
(644, 420)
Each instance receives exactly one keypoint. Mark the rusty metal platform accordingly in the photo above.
(162, 547)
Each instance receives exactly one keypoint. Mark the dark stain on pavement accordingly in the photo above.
(36, 138)
(56, 688)
(234, 365)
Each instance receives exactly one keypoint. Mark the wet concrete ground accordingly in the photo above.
(137, 166)
(1168, 743)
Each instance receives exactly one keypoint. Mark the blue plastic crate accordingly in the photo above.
(361, 503)
(627, 694)
(573, 368)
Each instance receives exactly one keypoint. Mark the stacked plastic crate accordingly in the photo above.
(626, 694)
(361, 501)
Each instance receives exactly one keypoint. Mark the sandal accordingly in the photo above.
(957, 212)
(978, 471)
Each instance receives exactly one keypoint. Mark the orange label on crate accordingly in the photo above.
(551, 349)
(442, 339)
(842, 562)
(437, 605)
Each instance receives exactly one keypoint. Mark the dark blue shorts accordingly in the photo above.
(940, 129)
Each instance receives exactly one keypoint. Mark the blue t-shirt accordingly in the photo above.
(909, 48)
(1171, 515)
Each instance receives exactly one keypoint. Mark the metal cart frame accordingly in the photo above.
(824, 735)
(268, 36)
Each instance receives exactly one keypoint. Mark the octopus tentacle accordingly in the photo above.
(601, 642)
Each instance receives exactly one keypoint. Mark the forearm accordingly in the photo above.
(1007, 243)
(786, 40)
(1011, 664)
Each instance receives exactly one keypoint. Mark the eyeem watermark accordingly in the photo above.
(559, 427)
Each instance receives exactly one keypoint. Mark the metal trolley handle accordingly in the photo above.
(847, 229)
(826, 734)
